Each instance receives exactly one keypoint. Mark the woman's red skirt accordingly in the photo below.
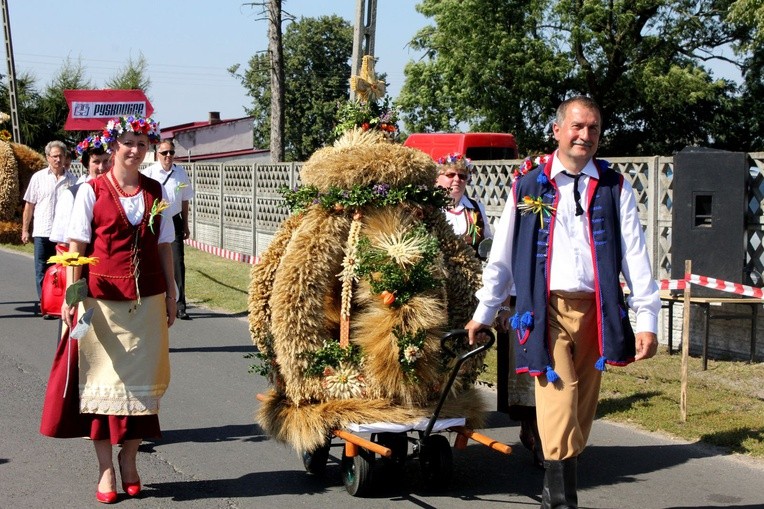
(61, 417)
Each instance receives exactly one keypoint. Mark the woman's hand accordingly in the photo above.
(67, 314)
(172, 309)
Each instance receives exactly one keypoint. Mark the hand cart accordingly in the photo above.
(391, 441)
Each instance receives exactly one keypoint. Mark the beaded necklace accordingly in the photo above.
(120, 190)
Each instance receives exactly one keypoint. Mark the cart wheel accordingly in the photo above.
(436, 462)
(398, 443)
(356, 472)
(315, 461)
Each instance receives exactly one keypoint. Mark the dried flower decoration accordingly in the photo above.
(92, 143)
(132, 124)
(535, 205)
(157, 208)
(455, 159)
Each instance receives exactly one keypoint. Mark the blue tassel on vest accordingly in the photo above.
(601, 363)
(551, 376)
(542, 178)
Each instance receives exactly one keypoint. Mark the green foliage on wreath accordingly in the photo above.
(366, 115)
(410, 349)
(384, 273)
(331, 354)
(265, 359)
(375, 195)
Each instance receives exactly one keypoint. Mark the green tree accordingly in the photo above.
(71, 76)
(133, 76)
(28, 102)
(506, 64)
(316, 68)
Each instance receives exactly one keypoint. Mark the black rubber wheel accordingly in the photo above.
(436, 461)
(315, 461)
(398, 443)
(356, 472)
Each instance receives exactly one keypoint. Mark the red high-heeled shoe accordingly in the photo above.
(131, 488)
(106, 498)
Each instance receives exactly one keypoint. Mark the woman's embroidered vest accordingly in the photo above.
(118, 244)
(474, 240)
(532, 252)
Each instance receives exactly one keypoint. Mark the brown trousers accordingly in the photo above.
(566, 408)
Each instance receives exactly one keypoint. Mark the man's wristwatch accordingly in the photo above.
(505, 308)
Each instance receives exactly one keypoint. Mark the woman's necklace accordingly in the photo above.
(119, 188)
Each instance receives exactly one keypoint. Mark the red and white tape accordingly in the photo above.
(726, 286)
(672, 284)
(710, 282)
(223, 253)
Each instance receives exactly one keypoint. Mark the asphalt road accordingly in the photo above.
(212, 455)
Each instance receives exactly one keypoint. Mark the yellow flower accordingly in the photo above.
(157, 208)
(72, 258)
(5, 135)
(535, 205)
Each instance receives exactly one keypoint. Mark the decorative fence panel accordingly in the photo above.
(238, 206)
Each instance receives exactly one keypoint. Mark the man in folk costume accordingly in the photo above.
(576, 232)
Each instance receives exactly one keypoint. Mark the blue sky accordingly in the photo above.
(188, 44)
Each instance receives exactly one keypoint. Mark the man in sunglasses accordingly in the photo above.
(179, 191)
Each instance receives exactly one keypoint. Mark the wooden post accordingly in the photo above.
(685, 338)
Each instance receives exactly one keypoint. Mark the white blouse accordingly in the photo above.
(80, 228)
(457, 217)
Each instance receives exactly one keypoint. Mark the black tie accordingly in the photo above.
(576, 192)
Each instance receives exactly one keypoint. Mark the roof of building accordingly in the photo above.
(169, 132)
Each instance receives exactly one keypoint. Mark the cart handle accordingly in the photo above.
(454, 334)
(463, 333)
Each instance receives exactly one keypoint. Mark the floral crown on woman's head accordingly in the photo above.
(456, 159)
(132, 124)
(92, 143)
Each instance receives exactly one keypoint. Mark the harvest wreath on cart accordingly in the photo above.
(349, 303)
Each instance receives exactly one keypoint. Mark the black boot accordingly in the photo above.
(560, 485)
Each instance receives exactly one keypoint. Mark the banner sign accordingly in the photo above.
(89, 110)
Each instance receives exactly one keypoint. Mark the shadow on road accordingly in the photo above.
(262, 484)
(241, 432)
(216, 349)
(27, 309)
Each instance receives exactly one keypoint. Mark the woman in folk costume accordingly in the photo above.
(123, 369)
(465, 215)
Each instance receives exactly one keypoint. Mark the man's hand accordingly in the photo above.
(647, 345)
(473, 328)
(24, 237)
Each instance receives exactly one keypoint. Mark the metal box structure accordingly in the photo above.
(708, 216)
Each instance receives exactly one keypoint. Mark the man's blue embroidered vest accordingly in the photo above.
(532, 252)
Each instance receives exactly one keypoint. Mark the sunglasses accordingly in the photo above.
(165, 152)
(453, 175)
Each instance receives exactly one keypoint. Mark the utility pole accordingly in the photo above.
(364, 30)
(276, 55)
(11, 74)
